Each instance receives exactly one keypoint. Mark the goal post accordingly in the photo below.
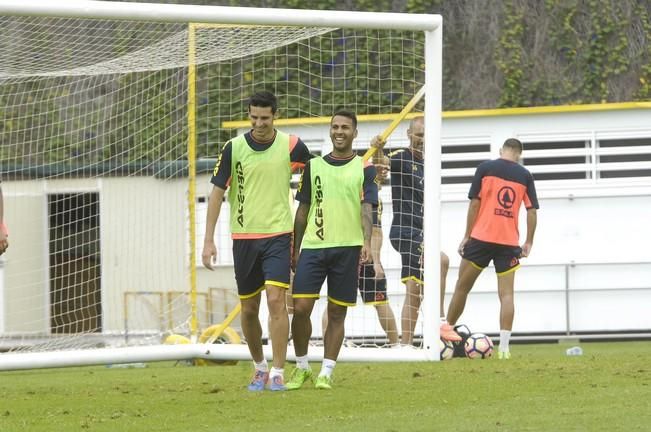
(161, 12)
(112, 115)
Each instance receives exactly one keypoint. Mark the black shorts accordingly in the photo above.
(373, 291)
(505, 258)
(340, 265)
(408, 242)
(260, 262)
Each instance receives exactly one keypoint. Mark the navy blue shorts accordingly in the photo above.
(340, 265)
(260, 262)
(373, 291)
(480, 254)
(408, 243)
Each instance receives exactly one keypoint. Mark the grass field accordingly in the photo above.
(540, 389)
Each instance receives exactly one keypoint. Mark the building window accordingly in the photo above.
(461, 156)
(624, 157)
(558, 160)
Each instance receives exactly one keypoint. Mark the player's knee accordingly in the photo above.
(249, 310)
(275, 298)
(414, 290)
(445, 263)
(506, 298)
(302, 309)
(276, 305)
(336, 314)
(462, 288)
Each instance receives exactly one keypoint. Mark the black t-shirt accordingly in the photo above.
(407, 186)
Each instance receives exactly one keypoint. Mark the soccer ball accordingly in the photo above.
(459, 346)
(462, 330)
(478, 345)
(176, 339)
(445, 349)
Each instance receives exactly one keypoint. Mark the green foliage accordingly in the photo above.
(588, 51)
(159, 131)
(541, 53)
(604, 55)
(539, 389)
(567, 42)
(591, 43)
(644, 92)
(418, 6)
(509, 57)
(313, 80)
(31, 122)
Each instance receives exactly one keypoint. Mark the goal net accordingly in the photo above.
(111, 129)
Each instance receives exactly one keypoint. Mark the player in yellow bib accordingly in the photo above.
(257, 168)
(333, 226)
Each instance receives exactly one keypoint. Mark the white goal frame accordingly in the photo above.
(430, 24)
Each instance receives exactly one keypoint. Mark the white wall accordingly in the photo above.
(592, 233)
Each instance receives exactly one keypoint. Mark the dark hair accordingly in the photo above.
(513, 144)
(263, 99)
(346, 113)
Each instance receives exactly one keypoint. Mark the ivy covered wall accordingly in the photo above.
(497, 53)
(519, 53)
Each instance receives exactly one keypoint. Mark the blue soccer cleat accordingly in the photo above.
(259, 381)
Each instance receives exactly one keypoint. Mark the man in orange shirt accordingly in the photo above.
(498, 189)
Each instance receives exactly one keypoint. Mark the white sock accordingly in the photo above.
(301, 362)
(505, 335)
(443, 320)
(327, 367)
(262, 366)
(276, 372)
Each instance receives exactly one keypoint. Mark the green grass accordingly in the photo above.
(540, 389)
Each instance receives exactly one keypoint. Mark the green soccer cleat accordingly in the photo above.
(323, 382)
(298, 378)
(503, 355)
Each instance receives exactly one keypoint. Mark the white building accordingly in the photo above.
(590, 268)
(589, 271)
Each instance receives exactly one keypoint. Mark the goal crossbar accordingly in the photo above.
(219, 14)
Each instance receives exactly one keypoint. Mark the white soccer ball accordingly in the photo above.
(446, 349)
(478, 345)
